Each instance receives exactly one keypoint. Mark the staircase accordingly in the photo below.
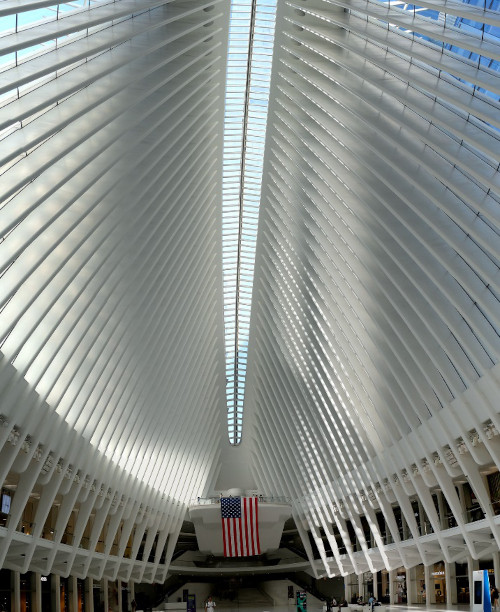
(254, 597)
(246, 597)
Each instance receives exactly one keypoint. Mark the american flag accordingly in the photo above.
(240, 526)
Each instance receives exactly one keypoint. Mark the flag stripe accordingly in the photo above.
(249, 519)
(224, 539)
(256, 530)
(247, 550)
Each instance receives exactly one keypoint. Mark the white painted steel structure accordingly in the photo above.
(373, 376)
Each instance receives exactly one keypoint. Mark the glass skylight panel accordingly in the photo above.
(251, 39)
(477, 30)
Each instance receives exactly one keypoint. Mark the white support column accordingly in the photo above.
(36, 589)
(55, 593)
(375, 585)
(73, 593)
(119, 593)
(496, 568)
(131, 590)
(411, 585)
(15, 581)
(361, 586)
(462, 501)
(347, 588)
(392, 587)
(105, 595)
(89, 595)
(430, 595)
(451, 583)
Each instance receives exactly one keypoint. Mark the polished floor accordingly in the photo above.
(316, 606)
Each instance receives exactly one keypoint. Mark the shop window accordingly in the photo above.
(439, 578)
(352, 534)
(381, 525)
(26, 580)
(494, 487)
(450, 520)
(326, 543)
(416, 514)
(314, 547)
(400, 586)
(472, 506)
(399, 520)
(64, 595)
(366, 531)
(462, 577)
(420, 584)
(339, 540)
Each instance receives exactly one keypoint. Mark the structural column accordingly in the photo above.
(496, 568)
(411, 585)
(450, 575)
(392, 589)
(73, 593)
(119, 593)
(15, 578)
(89, 595)
(36, 590)
(104, 593)
(55, 593)
(430, 594)
(131, 590)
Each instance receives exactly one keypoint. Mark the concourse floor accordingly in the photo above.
(318, 607)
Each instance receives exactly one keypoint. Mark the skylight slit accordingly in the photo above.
(251, 37)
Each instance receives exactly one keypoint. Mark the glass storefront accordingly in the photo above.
(438, 577)
(26, 588)
(462, 575)
(383, 586)
(400, 589)
(420, 590)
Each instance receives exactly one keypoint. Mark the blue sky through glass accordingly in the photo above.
(250, 48)
(477, 30)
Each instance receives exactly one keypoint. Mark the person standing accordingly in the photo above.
(494, 598)
(210, 605)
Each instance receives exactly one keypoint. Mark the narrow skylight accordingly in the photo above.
(251, 39)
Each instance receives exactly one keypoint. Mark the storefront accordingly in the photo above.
(462, 577)
(367, 586)
(383, 586)
(438, 577)
(400, 589)
(25, 593)
(420, 587)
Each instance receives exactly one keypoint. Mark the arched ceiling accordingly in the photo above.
(372, 376)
